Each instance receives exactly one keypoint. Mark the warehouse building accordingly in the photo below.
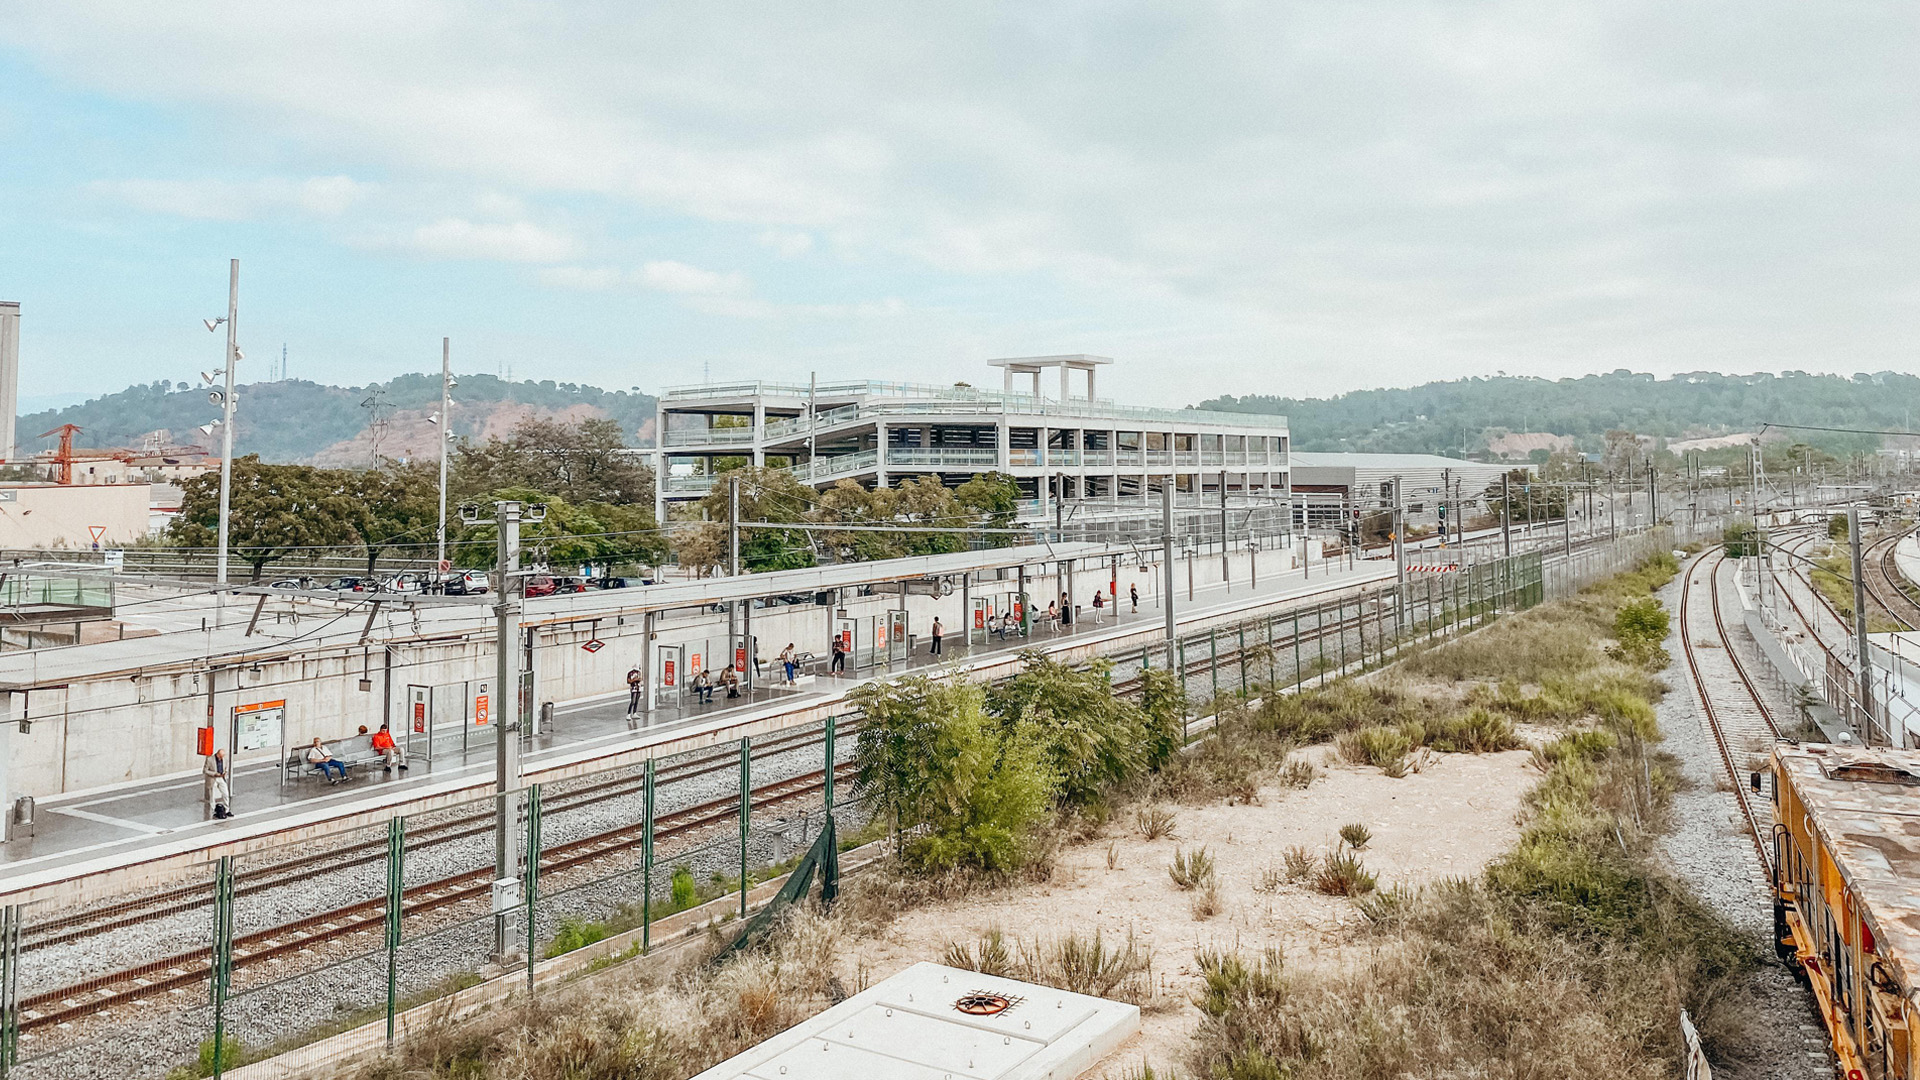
(1329, 488)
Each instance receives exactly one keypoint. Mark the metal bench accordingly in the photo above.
(297, 767)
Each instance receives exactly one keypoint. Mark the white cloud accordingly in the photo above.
(1375, 191)
(230, 200)
(458, 238)
(683, 280)
(788, 243)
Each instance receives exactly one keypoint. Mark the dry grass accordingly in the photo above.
(1081, 964)
(1342, 873)
(1155, 822)
(1355, 835)
(1191, 869)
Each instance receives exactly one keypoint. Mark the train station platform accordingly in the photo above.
(166, 815)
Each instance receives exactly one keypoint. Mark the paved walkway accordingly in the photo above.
(80, 824)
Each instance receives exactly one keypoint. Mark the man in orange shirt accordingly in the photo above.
(389, 751)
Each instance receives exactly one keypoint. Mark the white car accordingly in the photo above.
(465, 583)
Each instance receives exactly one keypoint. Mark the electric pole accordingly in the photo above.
(226, 413)
(1506, 514)
(504, 714)
(1865, 665)
(1166, 560)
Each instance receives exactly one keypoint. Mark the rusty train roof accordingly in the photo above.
(1865, 806)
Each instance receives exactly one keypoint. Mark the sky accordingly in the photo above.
(1297, 199)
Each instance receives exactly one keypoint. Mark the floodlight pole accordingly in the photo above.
(446, 403)
(226, 427)
(504, 710)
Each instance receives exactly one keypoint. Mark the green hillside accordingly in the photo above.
(1456, 417)
(293, 420)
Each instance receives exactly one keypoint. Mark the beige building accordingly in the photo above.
(73, 517)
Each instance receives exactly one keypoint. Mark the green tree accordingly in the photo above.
(584, 462)
(930, 755)
(387, 507)
(1532, 499)
(276, 509)
(569, 536)
(993, 500)
(766, 495)
(1094, 738)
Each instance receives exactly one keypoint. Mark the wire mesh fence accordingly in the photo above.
(271, 953)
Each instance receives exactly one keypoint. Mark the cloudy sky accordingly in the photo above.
(1245, 198)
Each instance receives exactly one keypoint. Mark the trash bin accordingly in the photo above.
(546, 716)
(22, 815)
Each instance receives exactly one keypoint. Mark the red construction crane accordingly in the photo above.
(64, 458)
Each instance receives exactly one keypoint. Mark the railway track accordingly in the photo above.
(1735, 712)
(101, 993)
(62, 929)
(1887, 585)
(105, 992)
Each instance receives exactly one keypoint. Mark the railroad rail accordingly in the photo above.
(103, 992)
(1736, 721)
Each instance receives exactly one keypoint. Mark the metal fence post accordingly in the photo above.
(746, 812)
(1340, 625)
(222, 965)
(9, 987)
(1183, 672)
(1297, 679)
(533, 874)
(646, 859)
(1243, 659)
(396, 882)
(831, 762)
(1213, 660)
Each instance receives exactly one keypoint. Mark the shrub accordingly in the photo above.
(1640, 627)
(232, 1056)
(1088, 965)
(1381, 747)
(1155, 822)
(1476, 731)
(929, 754)
(989, 955)
(1343, 874)
(575, 933)
(1299, 862)
(1297, 773)
(1191, 869)
(1356, 835)
(685, 893)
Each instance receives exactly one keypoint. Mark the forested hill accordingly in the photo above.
(296, 420)
(1457, 417)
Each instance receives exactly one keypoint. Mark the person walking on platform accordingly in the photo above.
(938, 632)
(839, 650)
(1133, 596)
(634, 685)
(1099, 602)
(788, 663)
(219, 791)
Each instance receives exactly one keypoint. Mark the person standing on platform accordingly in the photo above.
(1133, 596)
(839, 650)
(218, 789)
(634, 686)
(938, 632)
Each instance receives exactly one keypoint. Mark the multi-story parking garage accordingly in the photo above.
(1078, 448)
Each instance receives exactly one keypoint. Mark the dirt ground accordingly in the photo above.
(1449, 820)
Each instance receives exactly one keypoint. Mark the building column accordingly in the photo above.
(1089, 384)
(880, 454)
(759, 430)
(1063, 384)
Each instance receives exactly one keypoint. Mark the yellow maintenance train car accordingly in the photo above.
(1846, 908)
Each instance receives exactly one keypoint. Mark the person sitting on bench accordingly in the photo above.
(319, 757)
(703, 688)
(390, 752)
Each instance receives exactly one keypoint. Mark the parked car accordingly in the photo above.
(409, 581)
(291, 583)
(541, 585)
(349, 584)
(609, 583)
(466, 583)
(569, 584)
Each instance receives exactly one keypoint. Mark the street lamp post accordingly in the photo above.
(446, 432)
(505, 709)
(226, 421)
